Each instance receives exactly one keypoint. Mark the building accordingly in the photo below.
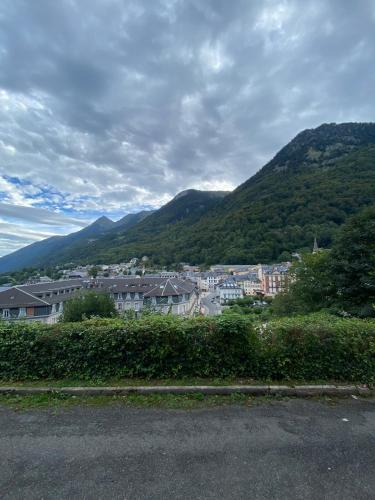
(210, 280)
(275, 280)
(45, 301)
(37, 302)
(168, 295)
(229, 290)
(250, 283)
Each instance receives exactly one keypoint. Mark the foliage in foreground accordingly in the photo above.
(315, 347)
(341, 280)
(86, 305)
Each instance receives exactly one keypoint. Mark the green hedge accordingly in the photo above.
(312, 347)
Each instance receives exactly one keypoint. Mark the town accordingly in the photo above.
(132, 287)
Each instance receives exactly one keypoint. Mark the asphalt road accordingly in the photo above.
(280, 450)
(211, 308)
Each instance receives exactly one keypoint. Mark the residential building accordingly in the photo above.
(168, 295)
(37, 302)
(275, 280)
(209, 281)
(45, 301)
(229, 291)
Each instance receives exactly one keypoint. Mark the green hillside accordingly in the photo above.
(308, 189)
(57, 248)
(154, 235)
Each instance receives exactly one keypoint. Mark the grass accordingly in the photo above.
(125, 382)
(167, 401)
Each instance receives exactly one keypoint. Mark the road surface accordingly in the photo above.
(211, 308)
(297, 449)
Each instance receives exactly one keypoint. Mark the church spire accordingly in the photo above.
(316, 248)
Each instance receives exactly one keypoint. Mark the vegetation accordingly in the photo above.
(315, 347)
(170, 401)
(342, 280)
(88, 304)
(257, 308)
(22, 276)
(308, 189)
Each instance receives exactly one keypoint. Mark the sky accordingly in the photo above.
(109, 107)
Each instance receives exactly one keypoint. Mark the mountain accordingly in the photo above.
(131, 220)
(53, 250)
(153, 235)
(307, 190)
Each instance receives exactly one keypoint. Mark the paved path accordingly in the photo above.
(280, 450)
(211, 308)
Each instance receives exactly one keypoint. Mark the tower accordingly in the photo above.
(315, 248)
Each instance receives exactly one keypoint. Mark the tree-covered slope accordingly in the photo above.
(54, 249)
(308, 189)
(154, 235)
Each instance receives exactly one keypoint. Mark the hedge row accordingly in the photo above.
(305, 348)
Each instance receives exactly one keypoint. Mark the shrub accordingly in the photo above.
(88, 304)
(311, 347)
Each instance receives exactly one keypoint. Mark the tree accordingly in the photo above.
(88, 304)
(311, 287)
(93, 271)
(342, 280)
(353, 264)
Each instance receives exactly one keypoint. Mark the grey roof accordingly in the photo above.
(245, 277)
(52, 285)
(27, 295)
(149, 286)
(15, 297)
(229, 285)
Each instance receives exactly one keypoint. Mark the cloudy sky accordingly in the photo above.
(111, 106)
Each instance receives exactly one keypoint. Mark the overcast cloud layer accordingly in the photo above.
(109, 107)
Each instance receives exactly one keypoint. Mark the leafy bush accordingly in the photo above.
(87, 305)
(319, 347)
(309, 347)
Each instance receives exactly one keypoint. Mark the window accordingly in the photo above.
(14, 312)
(5, 313)
(42, 310)
(161, 300)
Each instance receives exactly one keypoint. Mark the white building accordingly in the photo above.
(44, 302)
(229, 291)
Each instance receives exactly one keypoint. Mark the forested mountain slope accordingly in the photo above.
(54, 249)
(308, 189)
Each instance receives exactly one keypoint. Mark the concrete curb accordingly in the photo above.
(251, 390)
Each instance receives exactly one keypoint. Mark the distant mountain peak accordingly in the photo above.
(103, 220)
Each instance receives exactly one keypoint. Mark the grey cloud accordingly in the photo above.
(121, 104)
(39, 215)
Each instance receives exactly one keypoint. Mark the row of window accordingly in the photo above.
(57, 292)
(175, 299)
(21, 312)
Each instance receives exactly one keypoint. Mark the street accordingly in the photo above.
(211, 308)
(289, 449)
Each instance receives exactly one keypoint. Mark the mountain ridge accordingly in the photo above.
(309, 188)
